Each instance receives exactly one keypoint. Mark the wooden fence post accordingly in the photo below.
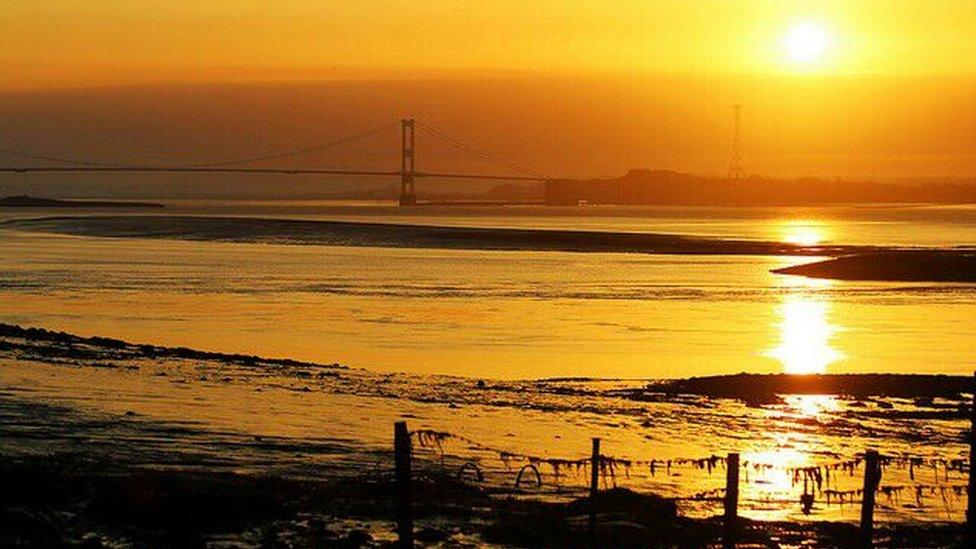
(403, 505)
(732, 487)
(971, 493)
(594, 487)
(731, 500)
(872, 477)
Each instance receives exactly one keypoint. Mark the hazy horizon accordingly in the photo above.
(563, 126)
(862, 89)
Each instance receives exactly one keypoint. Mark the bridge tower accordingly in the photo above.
(408, 189)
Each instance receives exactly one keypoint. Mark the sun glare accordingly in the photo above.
(777, 480)
(803, 233)
(812, 405)
(806, 42)
(805, 334)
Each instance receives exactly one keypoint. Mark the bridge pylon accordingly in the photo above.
(408, 187)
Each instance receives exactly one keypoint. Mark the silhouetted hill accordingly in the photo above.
(515, 191)
(664, 187)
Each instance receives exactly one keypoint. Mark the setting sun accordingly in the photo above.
(806, 42)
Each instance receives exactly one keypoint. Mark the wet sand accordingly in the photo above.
(111, 465)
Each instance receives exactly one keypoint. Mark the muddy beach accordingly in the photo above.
(117, 474)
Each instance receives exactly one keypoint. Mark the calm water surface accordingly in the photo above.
(511, 314)
(406, 314)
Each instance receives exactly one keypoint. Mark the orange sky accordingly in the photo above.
(81, 42)
(877, 87)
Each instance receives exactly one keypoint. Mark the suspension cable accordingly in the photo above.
(256, 158)
(24, 154)
(509, 165)
(295, 152)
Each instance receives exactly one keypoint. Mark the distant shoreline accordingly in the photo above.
(838, 262)
(24, 201)
(391, 235)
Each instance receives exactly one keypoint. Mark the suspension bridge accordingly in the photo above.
(408, 173)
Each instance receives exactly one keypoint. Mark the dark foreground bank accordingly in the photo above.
(70, 501)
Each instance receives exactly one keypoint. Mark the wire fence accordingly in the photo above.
(927, 480)
(834, 481)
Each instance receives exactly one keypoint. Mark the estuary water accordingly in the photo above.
(385, 299)
(524, 348)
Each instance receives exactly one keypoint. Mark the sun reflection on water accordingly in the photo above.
(771, 467)
(805, 330)
(812, 405)
(804, 233)
(778, 479)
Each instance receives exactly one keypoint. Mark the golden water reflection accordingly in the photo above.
(787, 451)
(778, 479)
(805, 330)
(804, 232)
(812, 405)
